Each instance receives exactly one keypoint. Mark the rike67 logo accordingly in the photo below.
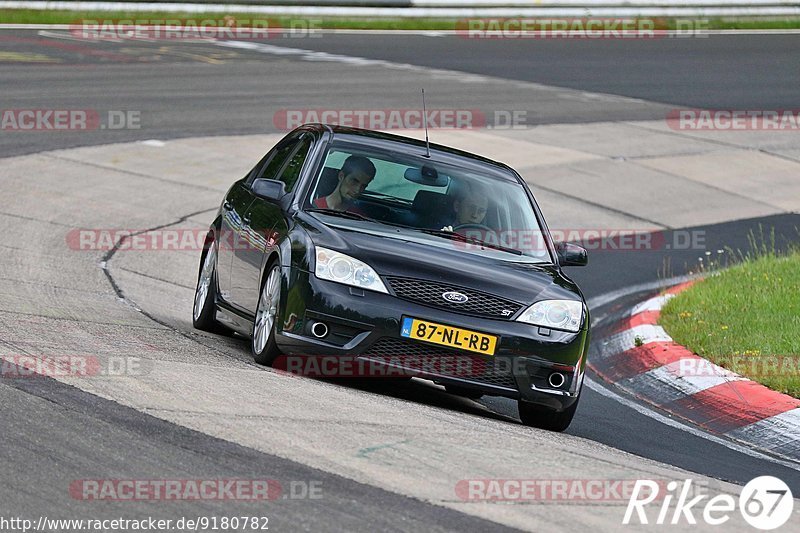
(765, 503)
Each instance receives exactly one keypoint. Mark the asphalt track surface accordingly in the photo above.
(181, 93)
(703, 71)
(195, 89)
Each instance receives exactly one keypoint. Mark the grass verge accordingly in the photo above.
(745, 318)
(36, 16)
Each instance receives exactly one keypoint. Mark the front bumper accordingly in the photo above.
(366, 325)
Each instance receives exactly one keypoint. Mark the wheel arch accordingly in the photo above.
(209, 239)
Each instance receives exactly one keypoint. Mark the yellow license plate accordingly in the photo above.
(463, 339)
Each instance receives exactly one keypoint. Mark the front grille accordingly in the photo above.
(432, 361)
(430, 293)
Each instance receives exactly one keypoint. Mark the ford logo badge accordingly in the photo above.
(455, 297)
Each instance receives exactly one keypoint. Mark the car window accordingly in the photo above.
(273, 162)
(291, 172)
(389, 181)
(475, 200)
(389, 178)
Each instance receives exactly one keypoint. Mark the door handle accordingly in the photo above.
(246, 219)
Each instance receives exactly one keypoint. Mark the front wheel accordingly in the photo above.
(544, 418)
(205, 308)
(265, 350)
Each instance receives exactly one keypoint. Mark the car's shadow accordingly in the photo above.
(416, 390)
(424, 392)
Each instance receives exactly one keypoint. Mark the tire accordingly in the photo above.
(464, 392)
(204, 309)
(263, 345)
(543, 418)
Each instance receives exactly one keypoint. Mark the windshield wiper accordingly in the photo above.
(344, 214)
(472, 240)
(453, 236)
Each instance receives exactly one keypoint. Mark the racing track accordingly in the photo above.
(203, 409)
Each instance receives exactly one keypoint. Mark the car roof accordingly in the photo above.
(378, 138)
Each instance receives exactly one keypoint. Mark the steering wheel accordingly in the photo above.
(470, 226)
(486, 234)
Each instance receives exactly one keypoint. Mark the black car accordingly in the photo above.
(420, 259)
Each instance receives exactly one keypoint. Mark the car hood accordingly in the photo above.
(399, 252)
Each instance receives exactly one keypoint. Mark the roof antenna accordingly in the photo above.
(425, 121)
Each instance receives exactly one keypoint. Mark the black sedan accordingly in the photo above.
(421, 260)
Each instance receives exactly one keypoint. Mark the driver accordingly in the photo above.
(357, 172)
(470, 207)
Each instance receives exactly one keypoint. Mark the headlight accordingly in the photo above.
(341, 268)
(556, 314)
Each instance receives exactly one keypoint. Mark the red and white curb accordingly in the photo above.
(642, 359)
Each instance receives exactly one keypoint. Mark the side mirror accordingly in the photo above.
(571, 254)
(272, 190)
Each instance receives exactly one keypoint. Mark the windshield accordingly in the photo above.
(472, 204)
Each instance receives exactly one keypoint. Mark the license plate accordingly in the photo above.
(463, 339)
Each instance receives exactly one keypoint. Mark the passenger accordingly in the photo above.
(357, 172)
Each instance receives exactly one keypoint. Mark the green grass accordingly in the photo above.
(35, 16)
(745, 318)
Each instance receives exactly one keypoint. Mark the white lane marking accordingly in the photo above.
(626, 339)
(683, 385)
(697, 367)
(653, 304)
(779, 431)
(313, 55)
(652, 389)
(153, 142)
(647, 333)
(603, 299)
(457, 75)
(641, 409)
(69, 37)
